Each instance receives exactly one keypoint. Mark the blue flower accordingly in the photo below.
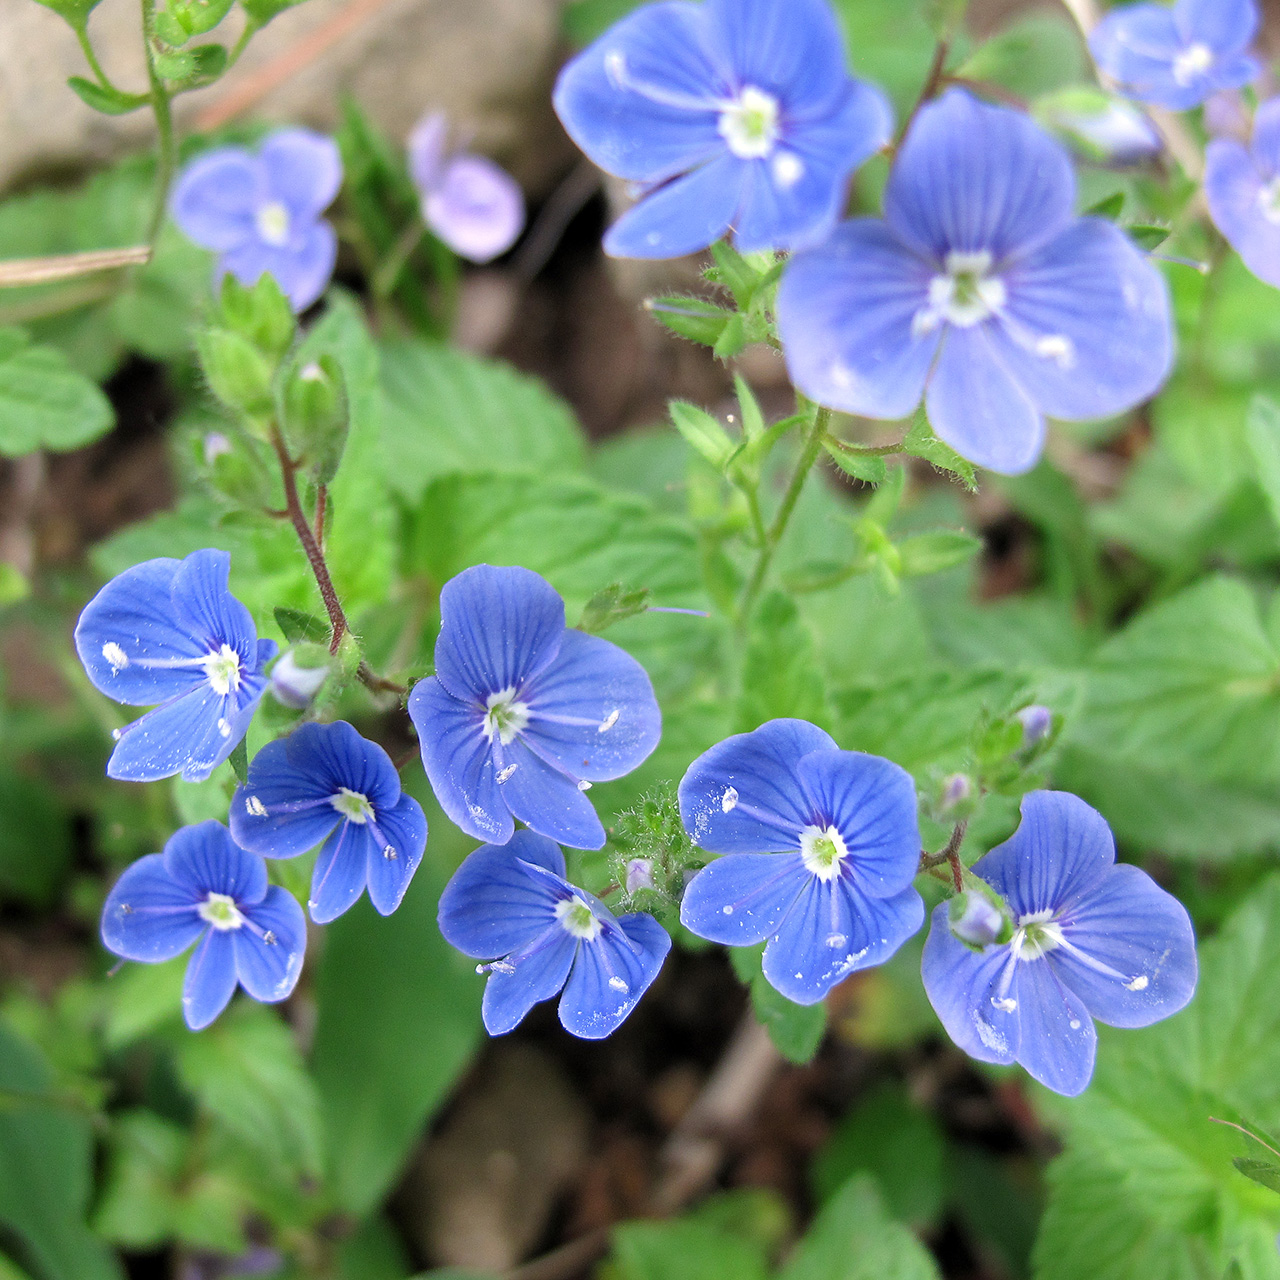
(981, 290)
(523, 714)
(819, 850)
(261, 213)
(169, 632)
(1176, 57)
(326, 782)
(471, 204)
(1242, 186)
(205, 889)
(730, 114)
(1091, 940)
(511, 905)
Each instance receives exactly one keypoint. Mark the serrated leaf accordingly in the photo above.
(44, 403)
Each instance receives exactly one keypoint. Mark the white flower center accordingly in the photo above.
(504, 716)
(222, 669)
(220, 910)
(577, 918)
(1268, 202)
(1192, 62)
(967, 294)
(273, 223)
(822, 850)
(353, 806)
(749, 124)
(1035, 936)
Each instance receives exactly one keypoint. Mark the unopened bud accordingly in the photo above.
(1036, 722)
(956, 789)
(975, 919)
(639, 874)
(1101, 127)
(295, 679)
(315, 414)
(215, 445)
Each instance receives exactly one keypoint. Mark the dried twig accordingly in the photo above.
(67, 266)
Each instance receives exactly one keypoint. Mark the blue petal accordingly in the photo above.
(546, 799)
(211, 979)
(1226, 26)
(872, 803)
(610, 975)
(215, 197)
(1131, 925)
(1057, 1039)
(207, 860)
(301, 268)
(641, 101)
(976, 405)
(833, 930)
(499, 627)
(866, 358)
(741, 898)
(1086, 331)
(1233, 188)
(270, 948)
(204, 604)
(960, 984)
(794, 196)
(494, 905)
(593, 710)
(743, 796)
(1265, 144)
(1135, 45)
(527, 980)
(477, 209)
(1057, 858)
(341, 871)
(134, 613)
(973, 178)
(683, 216)
(148, 915)
(405, 829)
(303, 170)
(459, 762)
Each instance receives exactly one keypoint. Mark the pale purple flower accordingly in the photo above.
(1242, 186)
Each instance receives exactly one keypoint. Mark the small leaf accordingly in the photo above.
(920, 442)
(1109, 207)
(1147, 235)
(691, 318)
(44, 403)
(870, 468)
(299, 626)
(110, 102)
(611, 605)
(925, 553)
(1261, 1171)
(702, 432)
(795, 1029)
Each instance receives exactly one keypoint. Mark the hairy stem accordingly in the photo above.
(161, 108)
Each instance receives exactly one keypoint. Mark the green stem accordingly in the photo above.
(162, 110)
(388, 274)
(250, 30)
(808, 456)
(86, 47)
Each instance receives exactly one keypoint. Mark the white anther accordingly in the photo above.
(618, 984)
(507, 772)
(116, 656)
(729, 800)
(609, 721)
(255, 806)
(390, 852)
(1140, 983)
(584, 785)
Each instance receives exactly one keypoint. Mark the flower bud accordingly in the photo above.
(1036, 722)
(298, 676)
(237, 372)
(955, 789)
(975, 919)
(315, 414)
(215, 446)
(1101, 127)
(639, 874)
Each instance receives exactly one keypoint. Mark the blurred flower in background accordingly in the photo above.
(1242, 186)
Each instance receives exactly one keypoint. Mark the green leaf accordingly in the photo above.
(300, 627)
(195, 17)
(1265, 1172)
(613, 604)
(74, 12)
(692, 318)
(1147, 235)
(686, 1250)
(870, 468)
(781, 676)
(584, 20)
(44, 403)
(446, 412)
(142, 998)
(110, 102)
(35, 840)
(1036, 53)
(920, 442)
(260, 12)
(1147, 1186)
(924, 553)
(13, 585)
(1262, 428)
(795, 1029)
(702, 432)
(1109, 207)
(853, 1238)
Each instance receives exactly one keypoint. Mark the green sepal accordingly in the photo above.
(259, 312)
(191, 68)
(920, 442)
(733, 272)
(239, 760)
(75, 13)
(237, 372)
(194, 17)
(109, 102)
(610, 605)
(260, 12)
(299, 627)
(691, 318)
(1109, 207)
(870, 468)
(1265, 1172)
(733, 338)
(1147, 235)
(315, 415)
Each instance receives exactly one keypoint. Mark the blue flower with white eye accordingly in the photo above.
(326, 782)
(524, 714)
(1176, 57)
(205, 889)
(511, 906)
(260, 213)
(980, 290)
(731, 115)
(170, 632)
(1242, 186)
(1091, 939)
(819, 848)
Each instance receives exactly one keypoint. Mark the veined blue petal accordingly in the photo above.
(203, 602)
(499, 627)
(215, 197)
(340, 873)
(301, 268)
(1058, 1039)
(833, 930)
(641, 101)
(976, 405)
(742, 796)
(211, 979)
(611, 973)
(973, 178)
(741, 898)
(872, 803)
(1131, 953)
(148, 915)
(870, 358)
(684, 215)
(459, 761)
(546, 799)
(494, 905)
(303, 170)
(1086, 331)
(526, 980)
(269, 949)
(593, 711)
(205, 859)
(1226, 26)
(1233, 187)
(391, 866)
